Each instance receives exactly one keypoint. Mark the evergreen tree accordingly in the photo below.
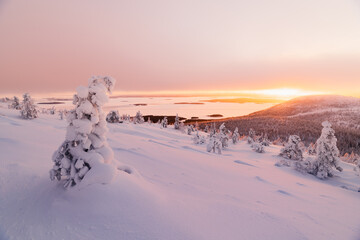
(235, 136)
(138, 118)
(85, 149)
(177, 123)
(223, 137)
(206, 129)
(164, 122)
(327, 153)
(15, 104)
(214, 145)
(265, 140)
(28, 109)
(257, 147)
(251, 137)
(292, 149)
(113, 117)
(197, 139)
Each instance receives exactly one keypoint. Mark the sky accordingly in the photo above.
(51, 46)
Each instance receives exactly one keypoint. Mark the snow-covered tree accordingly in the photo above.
(164, 122)
(223, 137)
(257, 147)
(214, 145)
(251, 137)
(15, 104)
(85, 152)
(52, 110)
(212, 130)
(235, 136)
(61, 114)
(206, 129)
(197, 139)
(292, 149)
(265, 140)
(311, 150)
(28, 109)
(138, 119)
(177, 122)
(189, 130)
(327, 153)
(113, 117)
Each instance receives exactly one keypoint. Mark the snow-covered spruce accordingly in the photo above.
(258, 147)
(85, 154)
(265, 140)
(177, 122)
(138, 119)
(113, 117)
(15, 104)
(327, 154)
(164, 122)
(251, 137)
(214, 145)
(235, 136)
(28, 109)
(292, 149)
(189, 130)
(197, 139)
(223, 137)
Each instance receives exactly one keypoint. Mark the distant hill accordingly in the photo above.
(303, 116)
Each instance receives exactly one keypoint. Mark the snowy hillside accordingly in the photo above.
(166, 188)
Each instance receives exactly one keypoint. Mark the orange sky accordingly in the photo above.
(162, 45)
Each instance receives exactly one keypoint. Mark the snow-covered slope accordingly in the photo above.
(166, 188)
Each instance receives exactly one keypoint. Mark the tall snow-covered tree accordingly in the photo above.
(177, 122)
(292, 149)
(214, 145)
(251, 137)
(113, 117)
(138, 119)
(85, 153)
(327, 153)
(235, 136)
(212, 130)
(28, 109)
(223, 137)
(164, 122)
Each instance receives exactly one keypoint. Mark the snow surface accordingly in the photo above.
(166, 187)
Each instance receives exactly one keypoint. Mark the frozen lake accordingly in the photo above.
(184, 106)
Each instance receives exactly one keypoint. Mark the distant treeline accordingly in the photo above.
(307, 128)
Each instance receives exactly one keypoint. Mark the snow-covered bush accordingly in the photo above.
(15, 104)
(189, 130)
(85, 153)
(292, 149)
(235, 136)
(257, 147)
(164, 122)
(214, 145)
(113, 117)
(197, 139)
(177, 123)
(265, 140)
(28, 109)
(138, 119)
(251, 137)
(327, 154)
(223, 137)
(206, 129)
